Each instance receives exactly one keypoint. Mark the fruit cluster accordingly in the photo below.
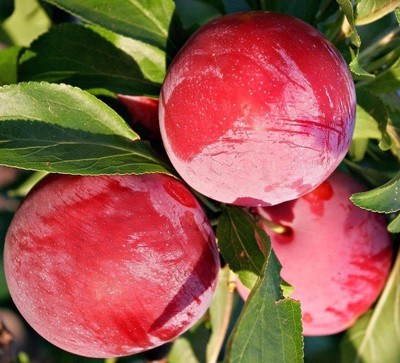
(249, 115)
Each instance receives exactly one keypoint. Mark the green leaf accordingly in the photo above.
(8, 65)
(269, 328)
(387, 81)
(182, 352)
(358, 149)
(347, 8)
(394, 225)
(89, 57)
(236, 6)
(194, 13)
(368, 11)
(384, 199)
(151, 60)
(220, 313)
(147, 21)
(238, 244)
(392, 103)
(59, 128)
(24, 188)
(190, 347)
(376, 168)
(355, 66)
(375, 108)
(6, 9)
(27, 22)
(307, 11)
(375, 336)
(366, 125)
(366, 128)
(373, 173)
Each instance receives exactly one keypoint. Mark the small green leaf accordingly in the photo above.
(375, 336)
(394, 225)
(376, 169)
(269, 328)
(89, 57)
(355, 66)
(357, 69)
(151, 60)
(220, 313)
(24, 188)
(347, 8)
(190, 347)
(384, 199)
(387, 81)
(366, 125)
(59, 128)
(147, 21)
(376, 109)
(358, 149)
(368, 11)
(392, 103)
(27, 22)
(366, 128)
(238, 244)
(8, 65)
(182, 352)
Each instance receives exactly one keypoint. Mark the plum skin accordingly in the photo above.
(335, 255)
(110, 266)
(143, 110)
(257, 108)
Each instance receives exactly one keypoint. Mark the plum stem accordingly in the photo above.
(377, 46)
(392, 131)
(380, 63)
(224, 290)
(211, 205)
(6, 340)
(277, 228)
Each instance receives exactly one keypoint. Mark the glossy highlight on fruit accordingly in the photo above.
(335, 255)
(106, 266)
(256, 109)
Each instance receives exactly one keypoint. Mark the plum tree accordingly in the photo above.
(335, 255)
(256, 110)
(266, 115)
(107, 266)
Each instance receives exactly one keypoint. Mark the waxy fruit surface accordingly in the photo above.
(335, 255)
(111, 265)
(256, 109)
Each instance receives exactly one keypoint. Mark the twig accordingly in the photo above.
(6, 340)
